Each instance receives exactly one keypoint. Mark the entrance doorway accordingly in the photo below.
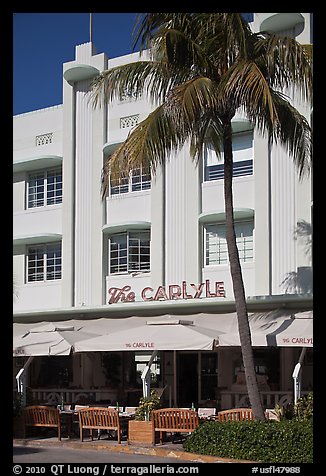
(187, 371)
(197, 378)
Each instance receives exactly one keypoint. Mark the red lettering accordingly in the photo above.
(142, 345)
(184, 291)
(208, 291)
(198, 289)
(301, 340)
(174, 294)
(160, 294)
(219, 289)
(143, 294)
(121, 294)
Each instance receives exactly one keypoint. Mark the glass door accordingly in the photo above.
(187, 379)
(208, 377)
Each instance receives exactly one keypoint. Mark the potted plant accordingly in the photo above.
(140, 429)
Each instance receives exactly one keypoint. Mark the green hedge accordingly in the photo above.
(288, 441)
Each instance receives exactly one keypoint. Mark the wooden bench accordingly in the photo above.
(238, 414)
(173, 420)
(99, 418)
(41, 416)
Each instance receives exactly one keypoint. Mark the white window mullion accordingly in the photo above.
(37, 258)
(128, 248)
(136, 252)
(46, 188)
(216, 251)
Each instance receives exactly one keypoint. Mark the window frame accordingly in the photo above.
(130, 184)
(44, 262)
(125, 253)
(46, 185)
(245, 245)
(241, 168)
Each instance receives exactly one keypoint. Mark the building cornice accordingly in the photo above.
(154, 308)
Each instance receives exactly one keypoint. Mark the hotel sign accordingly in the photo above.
(168, 293)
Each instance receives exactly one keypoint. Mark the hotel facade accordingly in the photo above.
(155, 245)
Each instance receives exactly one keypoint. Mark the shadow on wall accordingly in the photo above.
(301, 281)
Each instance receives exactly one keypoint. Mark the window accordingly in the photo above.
(129, 96)
(44, 262)
(137, 180)
(266, 363)
(216, 247)
(140, 180)
(55, 373)
(44, 188)
(130, 252)
(242, 158)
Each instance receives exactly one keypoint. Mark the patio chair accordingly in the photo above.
(41, 416)
(238, 414)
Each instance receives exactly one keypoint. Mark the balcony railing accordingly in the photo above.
(233, 399)
(229, 399)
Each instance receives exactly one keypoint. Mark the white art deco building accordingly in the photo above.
(155, 245)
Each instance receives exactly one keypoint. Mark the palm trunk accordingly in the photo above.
(236, 274)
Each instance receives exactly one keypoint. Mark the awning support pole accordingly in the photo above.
(175, 403)
(146, 375)
(21, 380)
(297, 376)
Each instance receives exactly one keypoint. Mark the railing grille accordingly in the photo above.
(44, 139)
(129, 121)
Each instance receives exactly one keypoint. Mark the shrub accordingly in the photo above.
(147, 405)
(303, 410)
(288, 441)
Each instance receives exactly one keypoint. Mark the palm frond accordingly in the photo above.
(180, 50)
(245, 85)
(189, 101)
(207, 132)
(292, 131)
(147, 146)
(287, 63)
(152, 78)
(148, 25)
(202, 68)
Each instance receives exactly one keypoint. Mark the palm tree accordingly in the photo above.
(202, 69)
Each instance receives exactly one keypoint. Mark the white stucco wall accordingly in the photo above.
(171, 209)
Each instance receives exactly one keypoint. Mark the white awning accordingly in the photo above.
(276, 329)
(161, 333)
(200, 331)
(48, 338)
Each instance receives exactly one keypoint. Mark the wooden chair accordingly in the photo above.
(237, 414)
(75, 417)
(173, 420)
(99, 418)
(41, 416)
